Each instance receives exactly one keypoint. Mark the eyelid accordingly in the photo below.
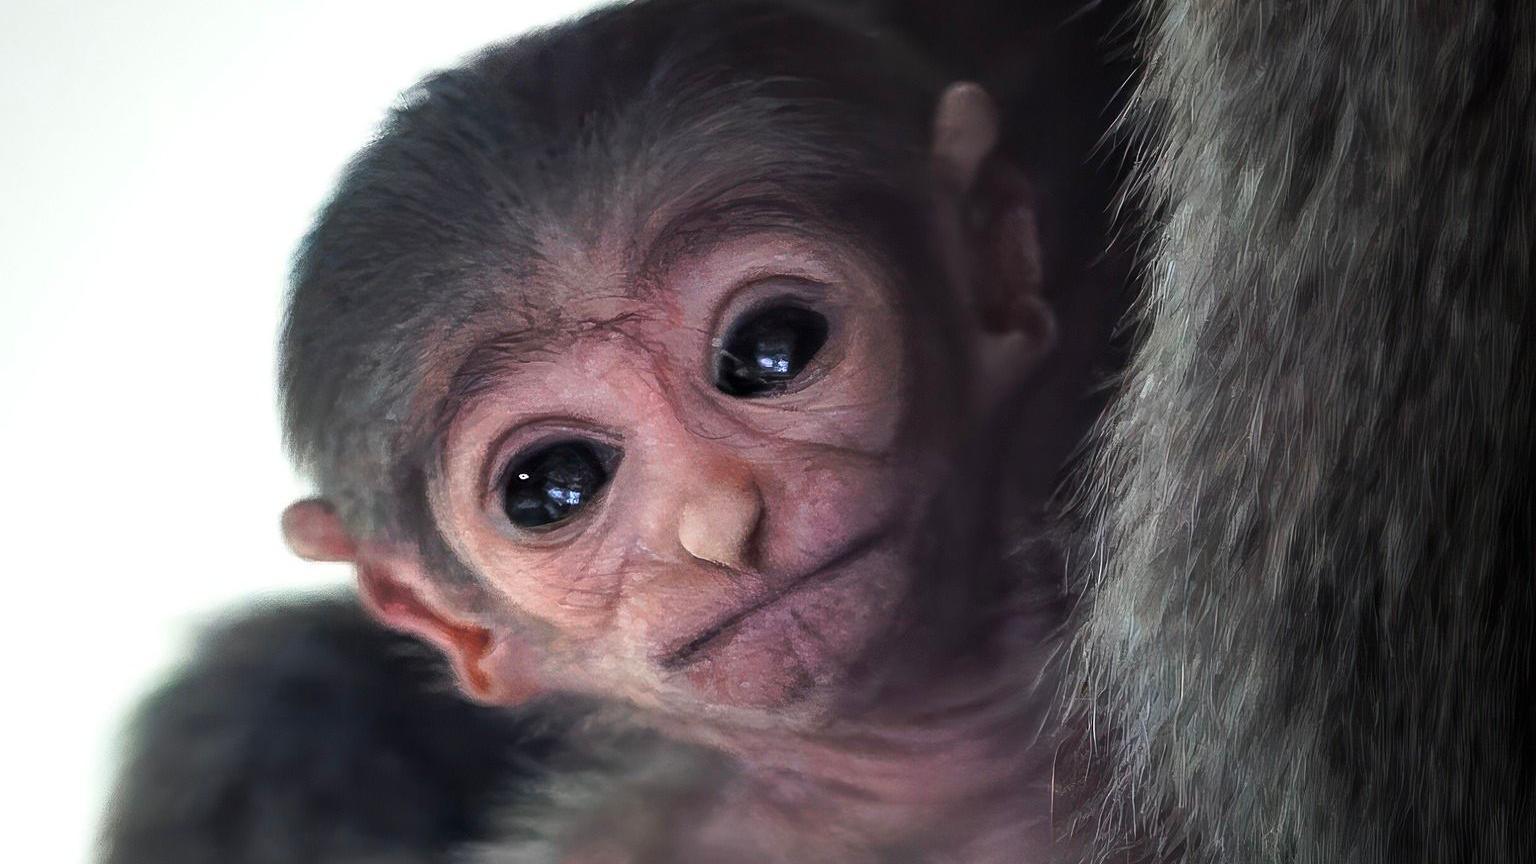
(812, 292)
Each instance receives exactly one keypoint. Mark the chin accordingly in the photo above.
(793, 660)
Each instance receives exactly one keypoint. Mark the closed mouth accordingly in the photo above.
(721, 631)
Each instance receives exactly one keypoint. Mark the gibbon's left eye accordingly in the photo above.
(764, 351)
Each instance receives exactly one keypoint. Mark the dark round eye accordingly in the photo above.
(766, 350)
(550, 484)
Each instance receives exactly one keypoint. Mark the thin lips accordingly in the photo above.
(686, 653)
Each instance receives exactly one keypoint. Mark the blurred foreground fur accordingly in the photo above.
(1311, 600)
(305, 732)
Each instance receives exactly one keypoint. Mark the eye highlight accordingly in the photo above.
(552, 483)
(766, 350)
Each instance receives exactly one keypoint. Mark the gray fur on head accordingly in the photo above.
(585, 130)
(1312, 595)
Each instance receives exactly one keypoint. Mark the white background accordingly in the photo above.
(158, 162)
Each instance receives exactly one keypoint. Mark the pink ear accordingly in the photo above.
(492, 667)
(965, 131)
(314, 532)
(496, 668)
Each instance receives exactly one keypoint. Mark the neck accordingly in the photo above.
(953, 755)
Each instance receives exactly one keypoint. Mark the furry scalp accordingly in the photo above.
(305, 733)
(1312, 599)
(582, 132)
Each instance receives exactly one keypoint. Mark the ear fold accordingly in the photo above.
(1011, 284)
(492, 667)
(990, 233)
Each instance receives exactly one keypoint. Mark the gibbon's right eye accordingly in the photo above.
(554, 482)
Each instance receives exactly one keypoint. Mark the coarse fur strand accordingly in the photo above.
(1309, 628)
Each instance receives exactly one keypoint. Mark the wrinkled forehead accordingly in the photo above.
(599, 248)
(631, 279)
(513, 220)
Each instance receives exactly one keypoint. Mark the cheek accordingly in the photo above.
(864, 405)
(571, 591)
(824, 500)
(590, 641)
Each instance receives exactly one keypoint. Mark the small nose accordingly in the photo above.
(719, 517)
